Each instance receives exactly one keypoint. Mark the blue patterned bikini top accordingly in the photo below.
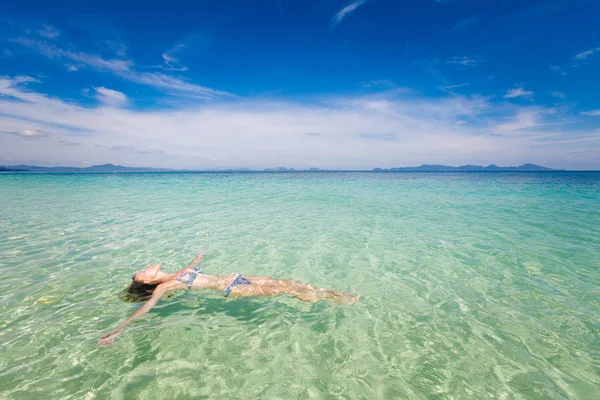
(187, 278)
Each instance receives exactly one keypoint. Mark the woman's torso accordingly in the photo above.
(234, 285)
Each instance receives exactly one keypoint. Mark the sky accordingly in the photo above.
(334, 84)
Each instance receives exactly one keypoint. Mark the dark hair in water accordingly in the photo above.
(137, 292)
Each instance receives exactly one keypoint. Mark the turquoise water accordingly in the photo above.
(474, 285)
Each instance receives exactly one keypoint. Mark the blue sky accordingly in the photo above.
(330, 84)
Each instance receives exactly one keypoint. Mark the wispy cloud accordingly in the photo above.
(390, 137)
(593, 113)
(152, 151)
(120, 49)
(172, 83)
(558, 70)
(364, 131)
(122, 68)
(123, 148)
(48, 32)
(110, 97)
(463, 24)
(172, 63)
(80, 59)
(69, 143)
(25, 79)
(340, 15)
(579, 61)
(524, 120)
(455, 86)
(379, 84)
(518, 92)
(559, 95)
(466, 61)
(450, 87)
(585, 54)
(27, 133)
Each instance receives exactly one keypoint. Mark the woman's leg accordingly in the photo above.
(267, 286)
(305, 292)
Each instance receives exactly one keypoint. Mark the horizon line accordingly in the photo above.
(420, 168)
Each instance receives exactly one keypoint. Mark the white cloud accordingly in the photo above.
(121, 68)
(463, 24)
(168, 82)
(32, 133)
(122, 148)
(27, 133)
(559, 95)
(466, 61)
(69, 143)
(110, 97)
(449, 87)
(80, 59)
(340, 15)
(172, 63)
(120, 49)
(48, 32)
(379, 84)
(25, 79)
(585, 54)
(518, 92)
(527, 119)
(594, 113)
(383, 130)
(152, 151)
(558, 70)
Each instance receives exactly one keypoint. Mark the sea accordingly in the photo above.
(472, 285)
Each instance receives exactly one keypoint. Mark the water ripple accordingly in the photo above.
(473, 285)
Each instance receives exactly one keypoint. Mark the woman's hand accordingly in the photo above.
(200, 254)
(197, 260)
(108, 339)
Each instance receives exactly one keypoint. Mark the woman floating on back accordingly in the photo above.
(152, 284)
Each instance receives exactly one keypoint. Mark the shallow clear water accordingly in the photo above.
(474, 285)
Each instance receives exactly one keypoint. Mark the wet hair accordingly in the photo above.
(137, 292)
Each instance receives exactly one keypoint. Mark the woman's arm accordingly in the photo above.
(197, 260)
(194, 262)
(159, 292)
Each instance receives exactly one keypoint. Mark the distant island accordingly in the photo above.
(466, 168)
(93, 168)
(422, 168)
(120, 168)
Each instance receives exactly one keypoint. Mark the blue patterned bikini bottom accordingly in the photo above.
(237, 281)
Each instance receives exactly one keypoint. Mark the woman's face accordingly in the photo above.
(148, 275)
